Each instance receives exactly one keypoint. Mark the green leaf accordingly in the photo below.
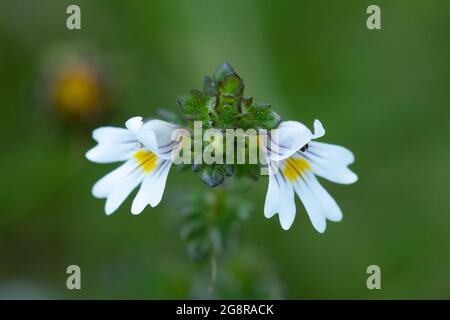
(229, 170)
(209, 86)
(229, 95)
(195, 107)
(222, 105)
(268, 120)
(212, 175)
(232, 86)
(226, 117)
(260, 116)
(211, 221)
(222, 71)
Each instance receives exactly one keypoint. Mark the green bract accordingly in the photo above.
(210, 222)
(222, 105)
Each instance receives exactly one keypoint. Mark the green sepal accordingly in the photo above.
(212, 175)
(222, 71)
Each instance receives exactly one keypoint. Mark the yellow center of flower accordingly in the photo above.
(294, 167)
(78, 93)
(146, 159)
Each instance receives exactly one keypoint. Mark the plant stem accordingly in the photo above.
(212, 285)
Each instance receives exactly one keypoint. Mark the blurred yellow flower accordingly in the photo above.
(77, 92)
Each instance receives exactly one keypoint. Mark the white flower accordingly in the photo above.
(293, 167)
(146, 150)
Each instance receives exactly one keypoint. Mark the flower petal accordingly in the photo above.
(106, 153)
(103, 187)
(289, 137)
(156, 135)
(330, 208)
(332, 152)
(272, 197)
(122, 190)
(319, 131)
(152, 188)
(134, 124)
(148, 139)
(163, 131)
(280, 197)
(326, 168)
(311, 205)
(287, 208)
(113, 135)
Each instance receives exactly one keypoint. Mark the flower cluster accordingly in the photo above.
(286, 149)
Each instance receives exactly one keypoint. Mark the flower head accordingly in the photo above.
(293, 165)
(287, 149)
(75, 85)
(146, 150)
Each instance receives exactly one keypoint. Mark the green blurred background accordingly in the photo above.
(384, 94)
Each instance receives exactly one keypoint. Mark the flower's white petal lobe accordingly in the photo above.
(326, 201)
(118, 144)
(287, 214)
(134, 124)
(112, 135)
(334, 172)
(331, 152)
(162, 130)
(141, 199)
(122, 190)
(287, 209)
(319, 131)
(152, 188)
(106, 153)
(160, 184)
(105, 185)
(148, 139)
(156, 135)
(289, 137)
(311, 205)
(272, 196)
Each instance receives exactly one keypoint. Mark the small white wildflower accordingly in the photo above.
(146, 150)
(293, 167)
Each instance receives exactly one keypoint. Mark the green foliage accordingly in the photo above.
(211, 222)
(212, 175)
(245, 272)
(222, 71)
(259, 116)
(195, 107)
(222, 105)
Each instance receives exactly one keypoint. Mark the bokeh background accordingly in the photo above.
(384, 94)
